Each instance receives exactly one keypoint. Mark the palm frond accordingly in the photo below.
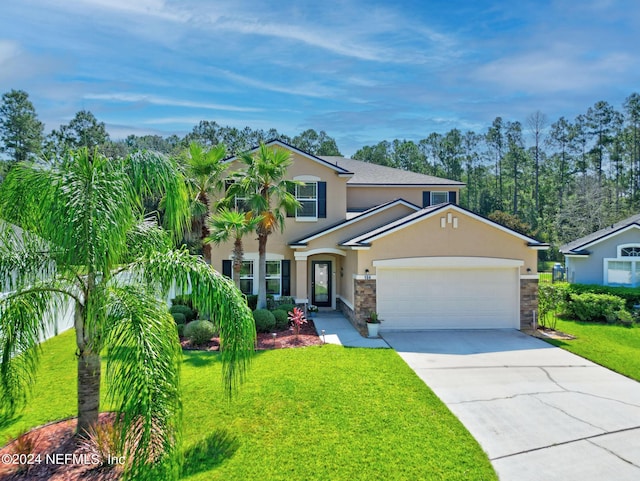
(23, 323)
(154, 174)
(143, 366)
(212, 294)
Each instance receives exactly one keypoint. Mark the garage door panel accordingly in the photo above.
(427, 298)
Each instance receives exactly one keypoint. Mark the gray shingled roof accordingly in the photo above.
(578, 244)
(367, 173)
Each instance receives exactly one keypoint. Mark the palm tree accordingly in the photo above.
(266, 195)
(228, 224)
(203, 168)
(85, 241)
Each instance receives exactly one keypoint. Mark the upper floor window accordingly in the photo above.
(630, 251)
(439, 198)
(307, 195)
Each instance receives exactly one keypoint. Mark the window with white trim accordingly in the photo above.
(274, 278)
(439, 197)
(307, 195)
(625, 269)
(246, 277)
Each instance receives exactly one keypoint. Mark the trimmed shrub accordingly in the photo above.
(179, 317)
(180, 329)
(265, 320)
(282, 319)
(591, 307)
(252, 301)
(189, 314)
(631, 295)
(286, 307)
(199, 332)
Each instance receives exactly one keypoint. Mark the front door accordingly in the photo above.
(321, 283)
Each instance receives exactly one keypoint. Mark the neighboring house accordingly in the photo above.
(373, 238)
(608, 257)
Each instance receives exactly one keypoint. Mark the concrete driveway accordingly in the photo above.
(539, 412)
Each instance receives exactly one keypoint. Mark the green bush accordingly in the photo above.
(183, 300)
(189, 314)
(282, 319)
(179, 317)
(631, 295)
(551, 300)
(286, 307)
(199, 332)
(180, 329)
(252, 301)
(591, 307)
(265, 320)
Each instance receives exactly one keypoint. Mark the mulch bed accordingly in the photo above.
(51, 456)
(553, 334)
(284, 339)
(57, 439)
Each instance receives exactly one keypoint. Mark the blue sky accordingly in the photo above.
(363, 71)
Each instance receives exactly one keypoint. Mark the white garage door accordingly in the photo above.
(428, 294)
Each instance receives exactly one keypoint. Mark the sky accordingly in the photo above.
(363, 71)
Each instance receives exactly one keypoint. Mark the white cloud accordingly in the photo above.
(163, 101)
(547, 71)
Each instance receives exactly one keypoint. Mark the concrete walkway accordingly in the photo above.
(338, 330)
(539, 412)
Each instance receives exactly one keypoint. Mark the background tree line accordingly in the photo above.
(555, 180)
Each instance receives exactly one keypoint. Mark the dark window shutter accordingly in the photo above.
(226, 268)
(452, 196)
(285, 272)
(322, 200)
(292, 190)
(426, 198)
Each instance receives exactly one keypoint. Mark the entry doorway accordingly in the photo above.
(321, 283)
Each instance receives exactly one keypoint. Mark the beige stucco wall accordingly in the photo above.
(472, 238)
(366, 224)
(294, 229)
(365, 197)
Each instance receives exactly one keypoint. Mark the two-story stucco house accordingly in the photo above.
(373, 238)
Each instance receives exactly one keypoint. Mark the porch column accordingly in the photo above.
(302, 296)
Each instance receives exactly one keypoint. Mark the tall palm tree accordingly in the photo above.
(267, 194)
(85, 241)
(227, 224)
(203, 168)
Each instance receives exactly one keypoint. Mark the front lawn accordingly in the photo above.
(613, 346)
(324, 412)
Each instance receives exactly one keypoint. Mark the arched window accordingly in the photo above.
(631, 251)
(625, 269)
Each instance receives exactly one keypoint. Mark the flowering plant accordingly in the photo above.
(296, 317)
(312, 308)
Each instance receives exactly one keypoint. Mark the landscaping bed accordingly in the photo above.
(285, 338)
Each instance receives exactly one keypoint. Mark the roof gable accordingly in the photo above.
(366, 239)
(579, 245)
(340, 171)
(354, 220)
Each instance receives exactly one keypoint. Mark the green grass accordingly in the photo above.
(324, 412)
(613, 346)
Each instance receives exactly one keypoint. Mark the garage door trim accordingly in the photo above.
(444, 261)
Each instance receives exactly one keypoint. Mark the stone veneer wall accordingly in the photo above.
(528, 302)
(364, 302)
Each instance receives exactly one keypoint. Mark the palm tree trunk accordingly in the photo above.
(88, 390)
(238, 255)
(262, 271)
(88, 376)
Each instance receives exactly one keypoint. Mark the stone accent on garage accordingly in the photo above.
(528, 302)
(364, 302)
